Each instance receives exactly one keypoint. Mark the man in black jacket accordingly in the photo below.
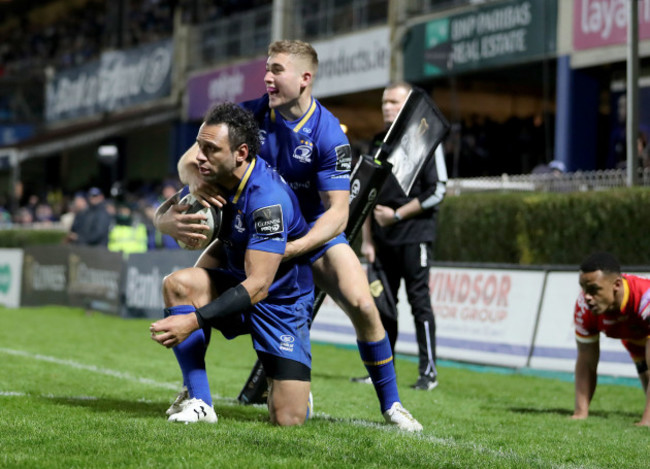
(398, 238)
(91, 226)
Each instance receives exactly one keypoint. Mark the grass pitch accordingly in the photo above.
(81, 390)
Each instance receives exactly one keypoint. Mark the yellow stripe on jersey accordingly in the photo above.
(382, 362)
(306, 117)
(244, 180)
(626, 294)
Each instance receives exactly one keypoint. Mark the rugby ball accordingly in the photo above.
(213, 221)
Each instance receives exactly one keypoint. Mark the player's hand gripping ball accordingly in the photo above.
(213, 221)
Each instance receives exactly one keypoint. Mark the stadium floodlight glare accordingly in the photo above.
(108, 154)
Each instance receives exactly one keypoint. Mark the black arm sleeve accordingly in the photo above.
(235, 300)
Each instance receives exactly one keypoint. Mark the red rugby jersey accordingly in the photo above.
(631, 322)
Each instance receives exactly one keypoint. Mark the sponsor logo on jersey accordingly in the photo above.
(286, 342)
(262, 137)
(343, 158)
(268, 220)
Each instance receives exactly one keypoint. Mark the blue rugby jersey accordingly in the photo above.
(311, 153)
(263, 214)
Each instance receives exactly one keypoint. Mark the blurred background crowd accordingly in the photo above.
(503, 116)
(120, 220)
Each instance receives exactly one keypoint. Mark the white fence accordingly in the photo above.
(563, 182)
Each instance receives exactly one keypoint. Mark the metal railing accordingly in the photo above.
(579, 181)
(238, 36)
(418, 7)
(319, 19)
(248, 34)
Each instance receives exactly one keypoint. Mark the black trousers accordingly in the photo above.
(410, 262)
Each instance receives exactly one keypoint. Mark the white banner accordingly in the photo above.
(11, 273)
(356, 62)
(482, 316)
(485, 316)
(555, 344)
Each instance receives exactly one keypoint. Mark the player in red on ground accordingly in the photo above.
(619, 306)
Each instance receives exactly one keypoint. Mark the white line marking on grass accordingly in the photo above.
(93, 368)
(48, 396)
(447, 442)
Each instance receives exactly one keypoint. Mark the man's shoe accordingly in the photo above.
(398, 415)
(425, 383)
(196, 410)
(362, 379)
(179, 403)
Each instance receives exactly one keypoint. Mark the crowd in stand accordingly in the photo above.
(477, 146)
(121, 223)
(79, 34)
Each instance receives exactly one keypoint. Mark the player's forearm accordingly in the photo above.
(644, 377)
(235, 300)
(327, 227)
(581, 405)
(261, 268)
(582, 398)
(188, 170)
(585, 386)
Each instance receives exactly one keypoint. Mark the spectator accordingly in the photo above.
(128, 234)
(44, 214)
(555, 167)
(91, 227)
(77, 205)
(23, 216)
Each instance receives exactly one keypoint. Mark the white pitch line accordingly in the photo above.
(233, 402)
(93, 368)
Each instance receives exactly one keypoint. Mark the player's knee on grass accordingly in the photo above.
(287, 417)
(287, 402)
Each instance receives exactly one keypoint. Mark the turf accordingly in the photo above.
(80, 390)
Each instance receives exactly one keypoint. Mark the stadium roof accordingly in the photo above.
(73, 136)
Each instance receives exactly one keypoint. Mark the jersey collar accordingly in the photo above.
(303, 120)
(244, 180)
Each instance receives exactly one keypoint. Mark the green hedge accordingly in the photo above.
(545, 228)
(514, 228)
(20, 238)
